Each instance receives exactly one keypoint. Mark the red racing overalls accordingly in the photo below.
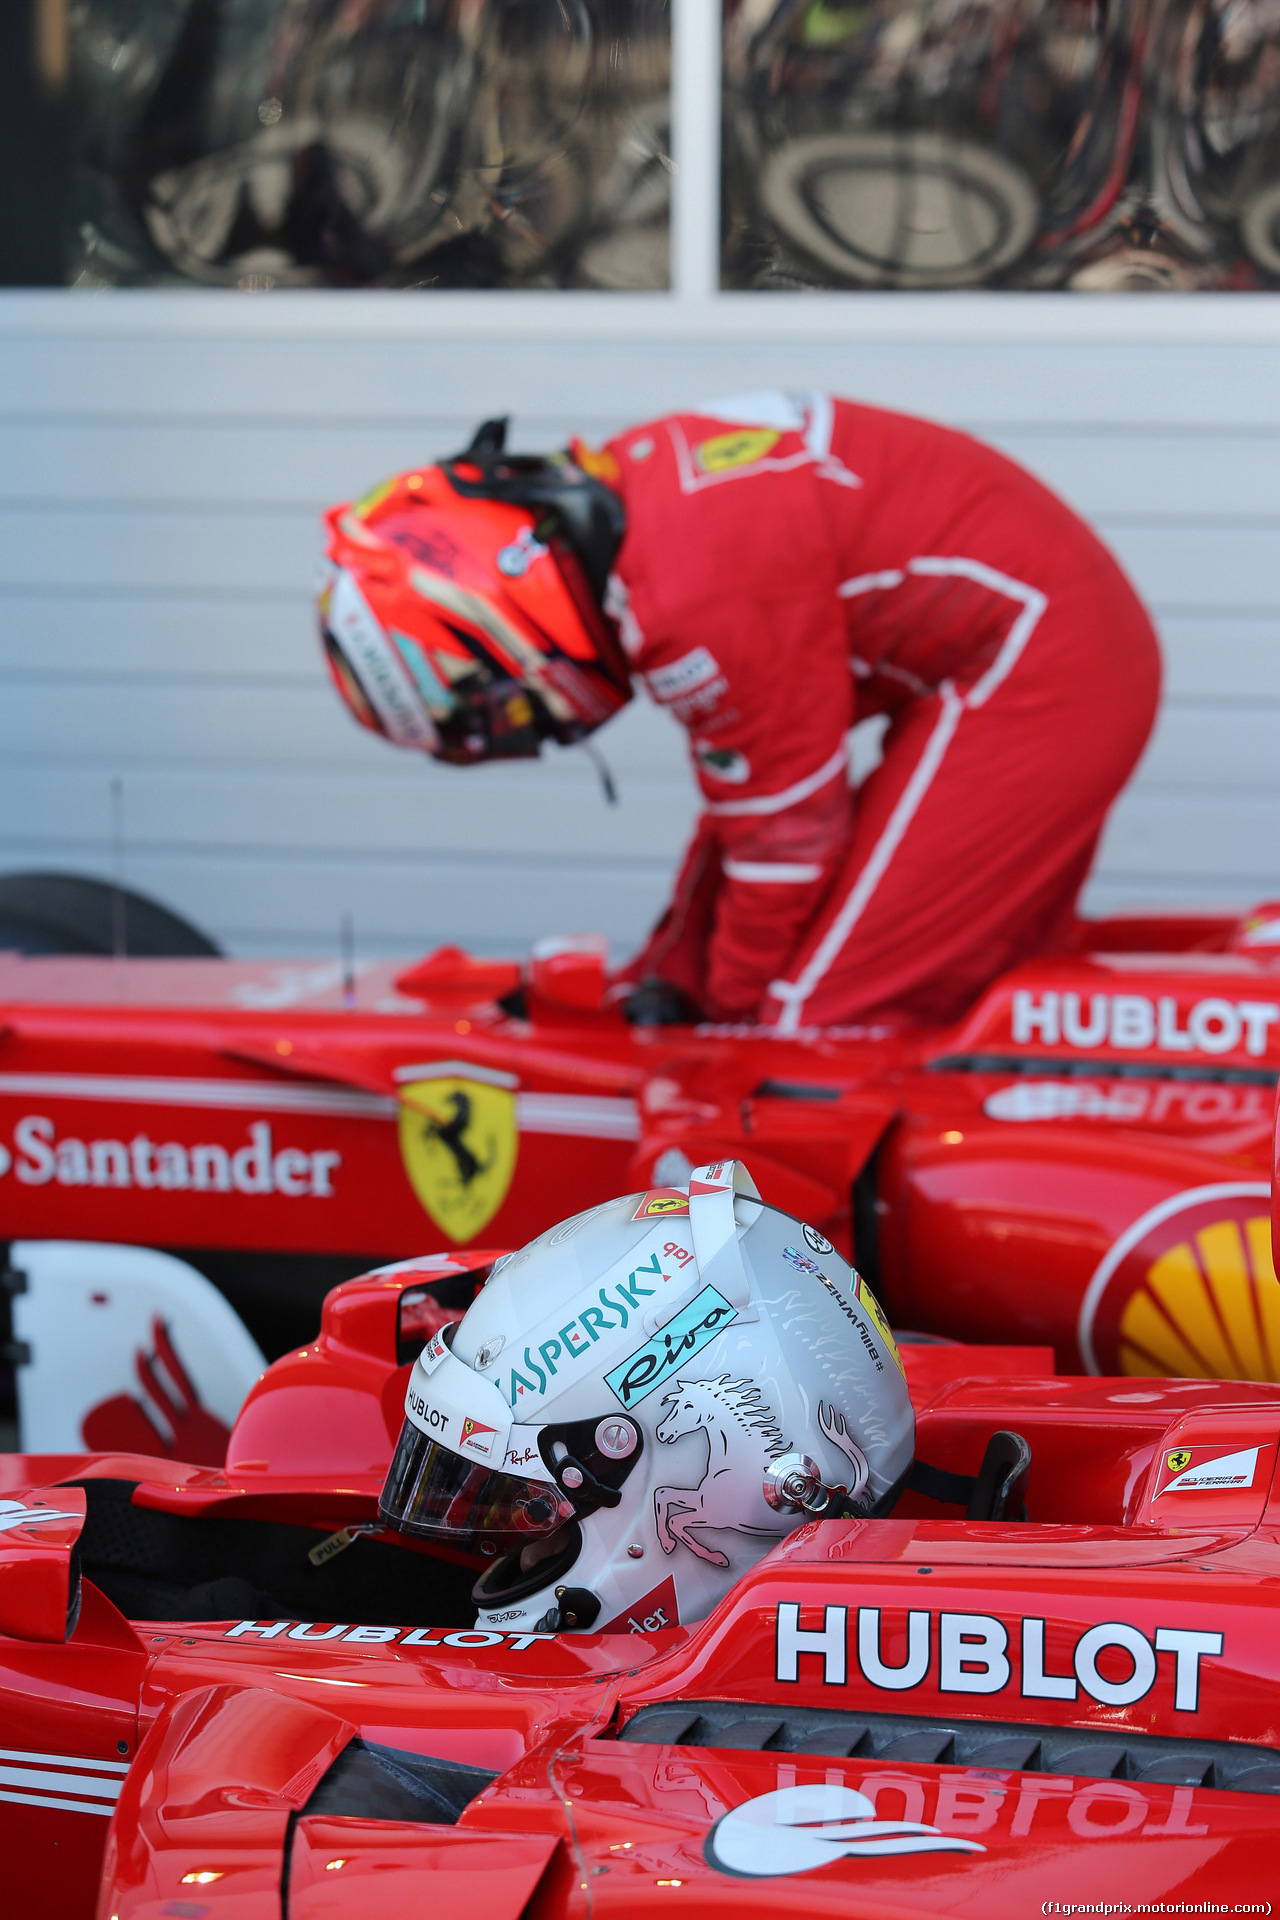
(793, 564)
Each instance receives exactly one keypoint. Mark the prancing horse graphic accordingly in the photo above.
(450, 1135)
(459, 1139)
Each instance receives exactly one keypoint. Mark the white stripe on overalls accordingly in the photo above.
(1032, 603)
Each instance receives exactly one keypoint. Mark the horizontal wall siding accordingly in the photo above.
(1176, 563)
(95, 463)
(163, 461)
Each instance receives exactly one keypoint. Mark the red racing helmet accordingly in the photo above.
(461, 604)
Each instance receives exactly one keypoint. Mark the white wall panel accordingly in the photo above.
(1218, 751)
(398, 906)
(293, 746)
(122, 547)
(1183, 564)
(177, 638)
(1146, 471)
(181, 638)
(1187, 564)
(303, 811)
(163, 460)
(1226, 657)
(1017, 359)
(296, 464)
(1204, 838)
(282, 730)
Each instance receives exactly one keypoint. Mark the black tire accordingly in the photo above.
(67, 913)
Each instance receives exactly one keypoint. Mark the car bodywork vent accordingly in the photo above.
(372, 1782)
(1090, 1067)
(1006, 1746)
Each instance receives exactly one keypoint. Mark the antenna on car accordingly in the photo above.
(347, 943)
(119, 931)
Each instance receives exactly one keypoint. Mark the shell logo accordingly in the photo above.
(1189, 1291)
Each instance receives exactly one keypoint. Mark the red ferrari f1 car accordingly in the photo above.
(226, 1690)
(1084, 1162)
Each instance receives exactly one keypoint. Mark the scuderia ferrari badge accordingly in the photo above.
(458, 1142)
(1207, 1469)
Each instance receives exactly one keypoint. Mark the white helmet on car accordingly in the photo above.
(642, 1401)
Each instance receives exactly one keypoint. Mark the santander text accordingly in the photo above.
(170, 1166)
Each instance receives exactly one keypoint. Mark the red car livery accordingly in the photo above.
(1100, 1122)
(227, 1688)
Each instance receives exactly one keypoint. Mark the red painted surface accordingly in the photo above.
(239, 1720)
(339, 1867)
(36, 1588)
(123, 1424)
(1107, 1840)
(1015, 1152)
(205, 1812)
(70, 1719)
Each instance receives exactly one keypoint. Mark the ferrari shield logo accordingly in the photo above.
(659, 1201)
(875, 1313)
(1178, 1459)
(742, 448)
(458, 1141)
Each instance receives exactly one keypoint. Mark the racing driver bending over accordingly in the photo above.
(774, 569)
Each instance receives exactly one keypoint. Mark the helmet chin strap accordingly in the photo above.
(601, 766)
(533, 1556)
(575, 1607)
(507, 1582)
(715, 1229)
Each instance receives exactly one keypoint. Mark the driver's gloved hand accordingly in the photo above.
(656, 1003)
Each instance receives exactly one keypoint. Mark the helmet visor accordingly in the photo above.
(347, 681)
(492, 720)
(373, 679)
(436, 1494)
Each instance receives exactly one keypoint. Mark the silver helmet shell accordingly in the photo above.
(631, 1409)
